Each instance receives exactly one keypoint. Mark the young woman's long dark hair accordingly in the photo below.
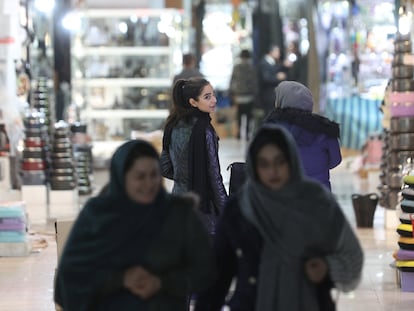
(182, 92)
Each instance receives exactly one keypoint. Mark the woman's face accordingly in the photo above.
(272, 167)
(143, 180)
(207, 100)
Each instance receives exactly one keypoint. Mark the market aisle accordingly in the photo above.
(26, 283)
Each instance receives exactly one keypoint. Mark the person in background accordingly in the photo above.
(298, 70)
(283, 238)
(243, 91)
(271, 71)
(190, 147)
(317, 137)
(134, 246)
(189, 69)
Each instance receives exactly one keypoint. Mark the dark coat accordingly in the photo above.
(174, 165)
(113, 233)
(268, 82)
(234, 232)
(177, 254)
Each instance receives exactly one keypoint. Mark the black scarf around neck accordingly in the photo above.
(310, 121)
(197, 160)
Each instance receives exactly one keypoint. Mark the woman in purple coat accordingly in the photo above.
(317, 137)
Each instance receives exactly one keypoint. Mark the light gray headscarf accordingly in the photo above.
(291, 94)
(296, 222)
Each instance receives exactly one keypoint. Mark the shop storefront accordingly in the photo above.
(359, 50)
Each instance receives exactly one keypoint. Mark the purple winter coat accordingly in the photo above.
(317, 140)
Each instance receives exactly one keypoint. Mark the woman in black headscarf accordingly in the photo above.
(190, 147)
(134, 247)
(283, 238)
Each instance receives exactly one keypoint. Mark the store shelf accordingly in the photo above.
(126, 113)
(122, 82)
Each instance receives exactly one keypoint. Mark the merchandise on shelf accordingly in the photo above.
(63, 174)
(13, 229)
(122, 69)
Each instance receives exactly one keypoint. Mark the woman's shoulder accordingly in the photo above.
(320, 198)
(307, 120)
(211, 133)
(316, 191)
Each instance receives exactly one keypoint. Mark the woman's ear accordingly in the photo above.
(193, 102)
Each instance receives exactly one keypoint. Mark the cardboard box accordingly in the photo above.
(63, 203)
(36, 213)
(15, 249)
(62, 228)
(66, 197)
(35, 194)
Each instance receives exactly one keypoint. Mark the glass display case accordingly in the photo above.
(122, 68)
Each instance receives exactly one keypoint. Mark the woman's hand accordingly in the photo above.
(316, 269)
(141, 282)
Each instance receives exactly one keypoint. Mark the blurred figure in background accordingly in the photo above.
(272, 70)
(298, 70)
(243, 92)
(134, 246)
(189, 69)
(317, 137)
(283, 238)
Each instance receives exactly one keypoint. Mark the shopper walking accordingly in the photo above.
(243, 92)
(317, 137)
(284, 238)
(189, 69)
(134, 247)
(272, 70)
(190, 147)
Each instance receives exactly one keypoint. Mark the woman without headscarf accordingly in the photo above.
(134, 247)
(190, 147)
(317, 137)
(284, 237)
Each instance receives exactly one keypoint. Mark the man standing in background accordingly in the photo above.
(243, 92)
(272, 70)
(189, 69)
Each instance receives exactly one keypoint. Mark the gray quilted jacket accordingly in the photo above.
(174, 162)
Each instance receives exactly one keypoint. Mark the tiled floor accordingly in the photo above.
(26, 283)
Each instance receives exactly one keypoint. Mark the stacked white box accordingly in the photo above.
(13, 229)
(4, 173)
(63, 203)
(36, 200)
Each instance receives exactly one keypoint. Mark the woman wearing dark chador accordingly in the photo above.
(317, 137)
(283, 238)
(134, 247)
(190, 147)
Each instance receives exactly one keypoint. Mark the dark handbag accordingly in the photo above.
(237, 176)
